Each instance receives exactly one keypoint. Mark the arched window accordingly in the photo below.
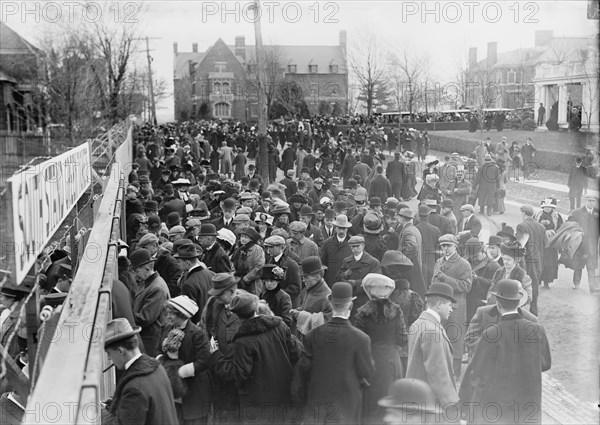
(217, 88)
(225, 88)
(222, 109)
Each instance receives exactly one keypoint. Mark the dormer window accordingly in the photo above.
(333, 69)
(313, 69)
(220, 67)
(292, 69)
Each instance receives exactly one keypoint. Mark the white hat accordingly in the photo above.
(227, 236)
(185, 305)
(378, 286)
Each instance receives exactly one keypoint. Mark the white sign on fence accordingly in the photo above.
(42, 197)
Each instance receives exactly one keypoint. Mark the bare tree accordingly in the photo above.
(410, 68)
(367, 61)
(273, 74)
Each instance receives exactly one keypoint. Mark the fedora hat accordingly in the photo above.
(187, 251)
(208, 229)
(222, 282)
(441, 289)
(280, 209)
(185, 305)
(412, 395)
(140, 257)
(447, 203)
(119, 329)
(342, 221)
(406, 212)
(378, 286)
(395, 258)
(341, 293)
(151, 206)
(511, 290)
(311, 265)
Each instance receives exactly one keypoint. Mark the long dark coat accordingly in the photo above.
(506, 370)
(169, 270)
(551, 222)
(384, 322)
(394, 172)
(534, 248)
(291, 283)
(216, 259)
(484, 272)
(487, 182)
(336, 358)
(148, 310)
(143, 396)
(430, 249)
(194, 349)
(380, 187)
(410, 244)
(375, 245)
(195, 284)
(262, 364)
(287, 159)
(239, 166)
(332, 256)
(353, 271)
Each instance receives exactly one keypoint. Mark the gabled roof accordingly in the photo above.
(181, 60)
(13, 43)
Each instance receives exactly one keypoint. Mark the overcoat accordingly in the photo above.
(194, 349)
(216, 259)
(430, 357)
(430, 249)
(143, 396)
(196, 283)
(353, 271)
(380, 187)
(517, 273)
(534, 248)
(335, 363)
(148, 310)
(332, 256)
(292, 282)
(410, 244)
(458, 274)
(589, 223)
(482, 280)
(506, 370)
(487, 182)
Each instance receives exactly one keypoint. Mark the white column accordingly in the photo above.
(562, 105)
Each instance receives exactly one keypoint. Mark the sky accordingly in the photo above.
(441, 30)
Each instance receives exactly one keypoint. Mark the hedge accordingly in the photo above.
(546, 160)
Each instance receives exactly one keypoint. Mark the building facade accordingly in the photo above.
(221, 82)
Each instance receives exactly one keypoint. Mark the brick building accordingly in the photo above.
(220, 82)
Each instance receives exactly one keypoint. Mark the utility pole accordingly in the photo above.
(152, 112)
(262, 160)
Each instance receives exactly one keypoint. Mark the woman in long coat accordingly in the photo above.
(383, 321)
(247, 261)
(487, 181)
(273, 163)
(239, 165)
(552, 221)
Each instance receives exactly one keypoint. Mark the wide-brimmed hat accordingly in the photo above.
(412, 395)
(372, 223)
(226, 235)
(246, 196)
(173, 219)
(272, 272)
(311, 265)
(119, 329)
(251, 233)
(185, 305)
(187, 251)
(378, 286)
(208, 229)
(512, 249)
(511, 290)
(222, 282)
(140, 257)
(549, 202)
(342, 221)
(341, 293)
(441, 289)
(280, 209)
(395, 258)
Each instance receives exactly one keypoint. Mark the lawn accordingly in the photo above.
(560, 141)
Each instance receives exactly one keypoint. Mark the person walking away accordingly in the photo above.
(577, 183)
(552, 221)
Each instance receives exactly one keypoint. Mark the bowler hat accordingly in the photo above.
(228, 204)
(508, 289)
(441, 289)
(507, 232)
(495, 240)
(375, 201)
(311, 265)
(140, 257)
(424, 210)
(447, 203)
(329, 214)
(341, 293)
(150, 206)
(222, 282)
(412, 395)
(187, 251)
(185, 305)
(340, 205)
(244, 305)
(342, 221)
(173, 219)
(306, 210)
(208, 229)
(119, 329)
(153, 221)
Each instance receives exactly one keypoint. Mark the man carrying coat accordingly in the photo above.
(335, 366)
(455, 271)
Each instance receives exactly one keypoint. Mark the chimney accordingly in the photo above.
(472, 57)
(240, 47)
(492, 53)
(343, 39)
(195, 47)
(175, 48)
(543, 37)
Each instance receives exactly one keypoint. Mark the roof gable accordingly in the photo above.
(13, 43)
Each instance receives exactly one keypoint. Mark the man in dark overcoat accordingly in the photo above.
(196, 280)
(277, 253)
(506, 369)
(587, 217)
(393, 172)
(335, 366)
(487, 182)
(144, 394)
(380, 186)
(410, 244)
(483, 271)
(336, 248)
(430, 250)
(532, 236)
(577, 183)
(214, 256)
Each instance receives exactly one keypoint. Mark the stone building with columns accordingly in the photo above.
(220, 83)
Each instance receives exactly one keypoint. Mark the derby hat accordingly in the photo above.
(330, 214)
(306, 210)
(154, 221)
(340, 205)
(378, 286)
(507, 232)
(395, 258)
(341, 293)
(140, 257)
(222, 282)
(412, 395)
(151, 206)
(185, 305)
(447, 203)
(424, 210)
(311, 265)
(511, 290)
(375, 201)
(441, 289)
(208, 229)
(173, 219)
(228, 204)
(119, 329)
(187, 251)
(342, 221)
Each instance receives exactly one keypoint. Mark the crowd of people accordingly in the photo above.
(315, 293)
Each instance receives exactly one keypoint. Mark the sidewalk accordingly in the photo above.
(553, 186)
